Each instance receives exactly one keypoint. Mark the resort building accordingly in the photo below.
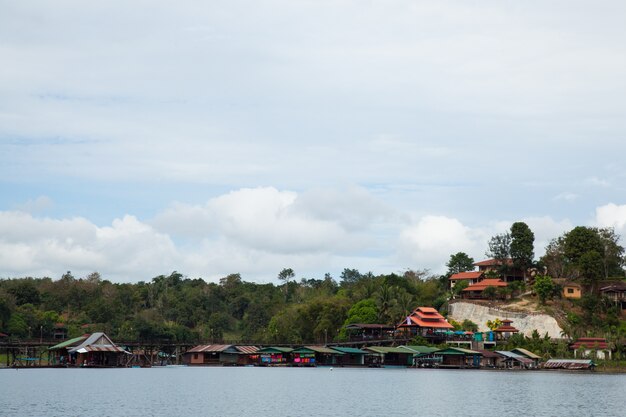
(506, 270)
(423, 321)
(98, 350)
(472, 277)
(591, 347)
(615, 292)
(505, 330)
(477, 290)
(366, 331)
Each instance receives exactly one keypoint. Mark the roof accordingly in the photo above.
(4, 335)
(493, 262)
(590, 343)
(452, 350)
(388, 349)
(421, 349)
(491, 282)
(349, 350)
(526, 353)
(324, 349)
(506, 328)
(275, 349)
(615, 287)
(467, 275)
(70, 342)
(426, 317)
(247, 349)
(208, 348)
(369, 326)
(514, 356)
(569, 364)
(488, 353)
(97, 342)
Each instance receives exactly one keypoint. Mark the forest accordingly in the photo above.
(177, 308)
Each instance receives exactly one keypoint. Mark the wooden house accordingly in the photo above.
(98, 350)
(528, 354)
(59, 355)
(368, 331)
(325, 356)
(351, 356)
(615, 292)
(239, 355)
(456, 357)
(490, 359)
(505, 269)
(515, 361)
(274, 355)
(389, 356)
(204, 354)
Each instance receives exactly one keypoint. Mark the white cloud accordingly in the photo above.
(596, 182)
(567, 196)
(612, 215)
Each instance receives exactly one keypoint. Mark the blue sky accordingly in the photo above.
(138, 138)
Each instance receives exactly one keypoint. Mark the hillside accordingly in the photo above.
(524, 317)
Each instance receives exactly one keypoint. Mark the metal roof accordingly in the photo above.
(349, 350)
(97, 342)
(67, 343)
(247, 349)
(421, 349)
(208, 348)
(388, 349)
(526, 353)
(452, 350)
(275, 349)
(569, 364)
(324, 349)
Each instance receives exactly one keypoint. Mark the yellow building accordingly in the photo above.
(572, 290)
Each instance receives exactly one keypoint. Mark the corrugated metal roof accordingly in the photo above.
(323, 349)
(350, 350)
(275, 349)
(457, 351)
(208, 348)
(247, 349)
(569, 364)
(526, 353)
(67, 343)
(97, 342)
(421, 349)
(387, 349)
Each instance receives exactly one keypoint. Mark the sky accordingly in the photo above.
(139, 138)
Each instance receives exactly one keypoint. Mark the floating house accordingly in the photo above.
(423, 356)
(204, 354)
(59, 354)
(274, 355)
(303, 356)
(528, 354)
(389, 356)
(351, 356)
(490, 359)
(515, 361)
(571, 364)
(423, 321)
(239, 355)
(98, 350)
(456, 357)
(325, 356)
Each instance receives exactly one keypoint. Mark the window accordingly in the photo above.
(570, 291)
(195, 356)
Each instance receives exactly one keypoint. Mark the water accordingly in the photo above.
(289, 392)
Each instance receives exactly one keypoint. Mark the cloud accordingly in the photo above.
(612, 215)
(38, 204)
(566, 196)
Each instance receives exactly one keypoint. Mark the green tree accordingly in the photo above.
(522, 246)
(459, 262)
(490, 292)
(543, 287)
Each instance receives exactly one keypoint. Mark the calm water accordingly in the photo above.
(290, 392)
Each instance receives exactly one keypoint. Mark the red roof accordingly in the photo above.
(479, 286)
(208, 348)
(493, 262)
(426, 317)
(467, 275)
(590, 343)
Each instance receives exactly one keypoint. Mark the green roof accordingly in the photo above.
(457, 351)
(421, 349)
(324, 349)
(350, 350)
(387, 349)
(275, 349)
(67, 343)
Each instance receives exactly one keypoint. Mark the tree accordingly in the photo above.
(543, 287)
(613, 260)
(459, 262)
(490, 292)
(500, 248)
(350, 276)
(285, 275)
(522, 246)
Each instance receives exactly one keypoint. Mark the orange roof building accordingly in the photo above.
(471, 276)
(424, 320)
(476, 290)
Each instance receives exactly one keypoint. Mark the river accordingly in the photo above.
(315, 392)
